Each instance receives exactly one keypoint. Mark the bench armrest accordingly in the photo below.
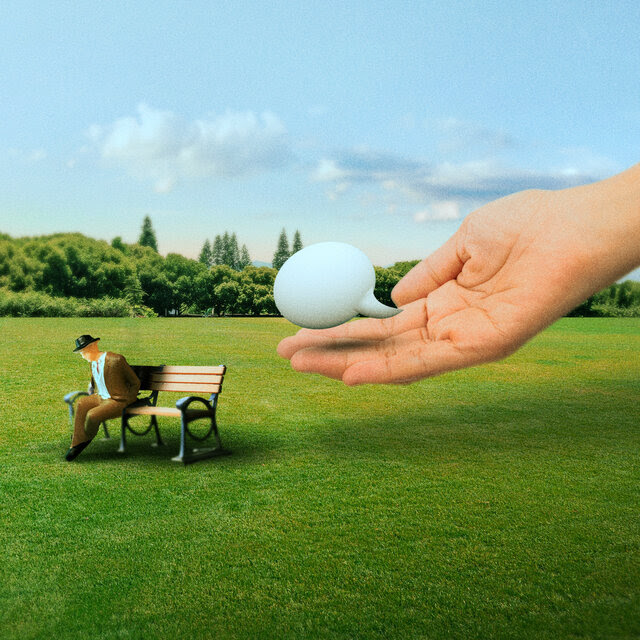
(70, 398)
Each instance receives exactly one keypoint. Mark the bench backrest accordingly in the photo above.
(188, 379)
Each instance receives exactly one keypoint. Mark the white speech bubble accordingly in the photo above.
(326, 284)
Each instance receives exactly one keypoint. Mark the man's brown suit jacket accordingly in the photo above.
(122, 382)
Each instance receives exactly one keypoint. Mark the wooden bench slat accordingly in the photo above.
(191, 369)
(166, 411)
(191, 387)
(187, 377)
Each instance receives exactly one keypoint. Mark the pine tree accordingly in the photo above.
(148, 235)
(227, 250)
(235, 253)
(282, 252)
(217, 253)
(245, 259)
(297, 243)
(206, 254)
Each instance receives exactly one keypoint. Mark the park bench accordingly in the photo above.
(188, 379)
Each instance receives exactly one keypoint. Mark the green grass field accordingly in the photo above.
(495, 502)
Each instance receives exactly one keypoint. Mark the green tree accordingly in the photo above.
(226, 249)
(148, 235)
(217, 275)
(260, 275)
(217, 252)
(402, 268)
(158, 292)
(117, 243)
(386, 279)
(235, 253)
(226, 295)
(282, 252)
(56, 275)
(624, 295)
(245, 259)
(221, 273)
(206, 255)
(181, 272)
(297, 243)
(202, 291)
(133, 292)
(266, 305)
(245, 300)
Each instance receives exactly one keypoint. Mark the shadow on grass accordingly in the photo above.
(142, 450)
(515, 421)
(518, 422)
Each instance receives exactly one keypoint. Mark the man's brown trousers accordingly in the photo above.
(90, 412)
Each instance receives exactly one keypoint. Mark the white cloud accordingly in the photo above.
(328, 171)
(444, 210)
(461, 136)
(579, 159)
(445, 190)
(161, 146)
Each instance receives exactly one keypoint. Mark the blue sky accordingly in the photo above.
(376, 123)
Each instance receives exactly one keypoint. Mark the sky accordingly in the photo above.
(380, 124)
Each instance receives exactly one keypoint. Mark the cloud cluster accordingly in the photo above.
(457, 136)
(444, 190)
(161, 146)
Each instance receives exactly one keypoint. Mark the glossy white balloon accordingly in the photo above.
(326, 284)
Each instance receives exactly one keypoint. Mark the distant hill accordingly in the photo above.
(257, 263)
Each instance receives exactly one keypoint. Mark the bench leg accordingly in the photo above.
(158, 442)
(123, 435)
(183, 432)
(125, 425)
(199, 454)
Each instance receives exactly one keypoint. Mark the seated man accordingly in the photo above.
(114, 385)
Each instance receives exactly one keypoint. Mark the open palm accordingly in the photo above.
(502, 277)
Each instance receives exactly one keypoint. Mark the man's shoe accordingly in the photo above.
(74, 452)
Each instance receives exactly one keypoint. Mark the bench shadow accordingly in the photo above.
(143, 449)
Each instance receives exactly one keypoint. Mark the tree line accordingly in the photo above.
(70, 274)
(224, 250)
(73, 267)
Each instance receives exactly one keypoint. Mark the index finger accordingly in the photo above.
(442, 265)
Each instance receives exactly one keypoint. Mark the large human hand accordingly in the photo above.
(512, 268)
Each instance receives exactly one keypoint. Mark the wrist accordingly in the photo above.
(617, 222)
(607, 217)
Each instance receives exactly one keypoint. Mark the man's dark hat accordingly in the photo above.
(83, 341)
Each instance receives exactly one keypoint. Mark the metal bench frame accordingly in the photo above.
(152, 376)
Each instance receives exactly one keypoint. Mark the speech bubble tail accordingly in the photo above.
(370, 306)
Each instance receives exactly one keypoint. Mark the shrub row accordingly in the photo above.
(36, 304)
(613, 311)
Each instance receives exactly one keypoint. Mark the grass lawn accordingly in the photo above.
(496, 502)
